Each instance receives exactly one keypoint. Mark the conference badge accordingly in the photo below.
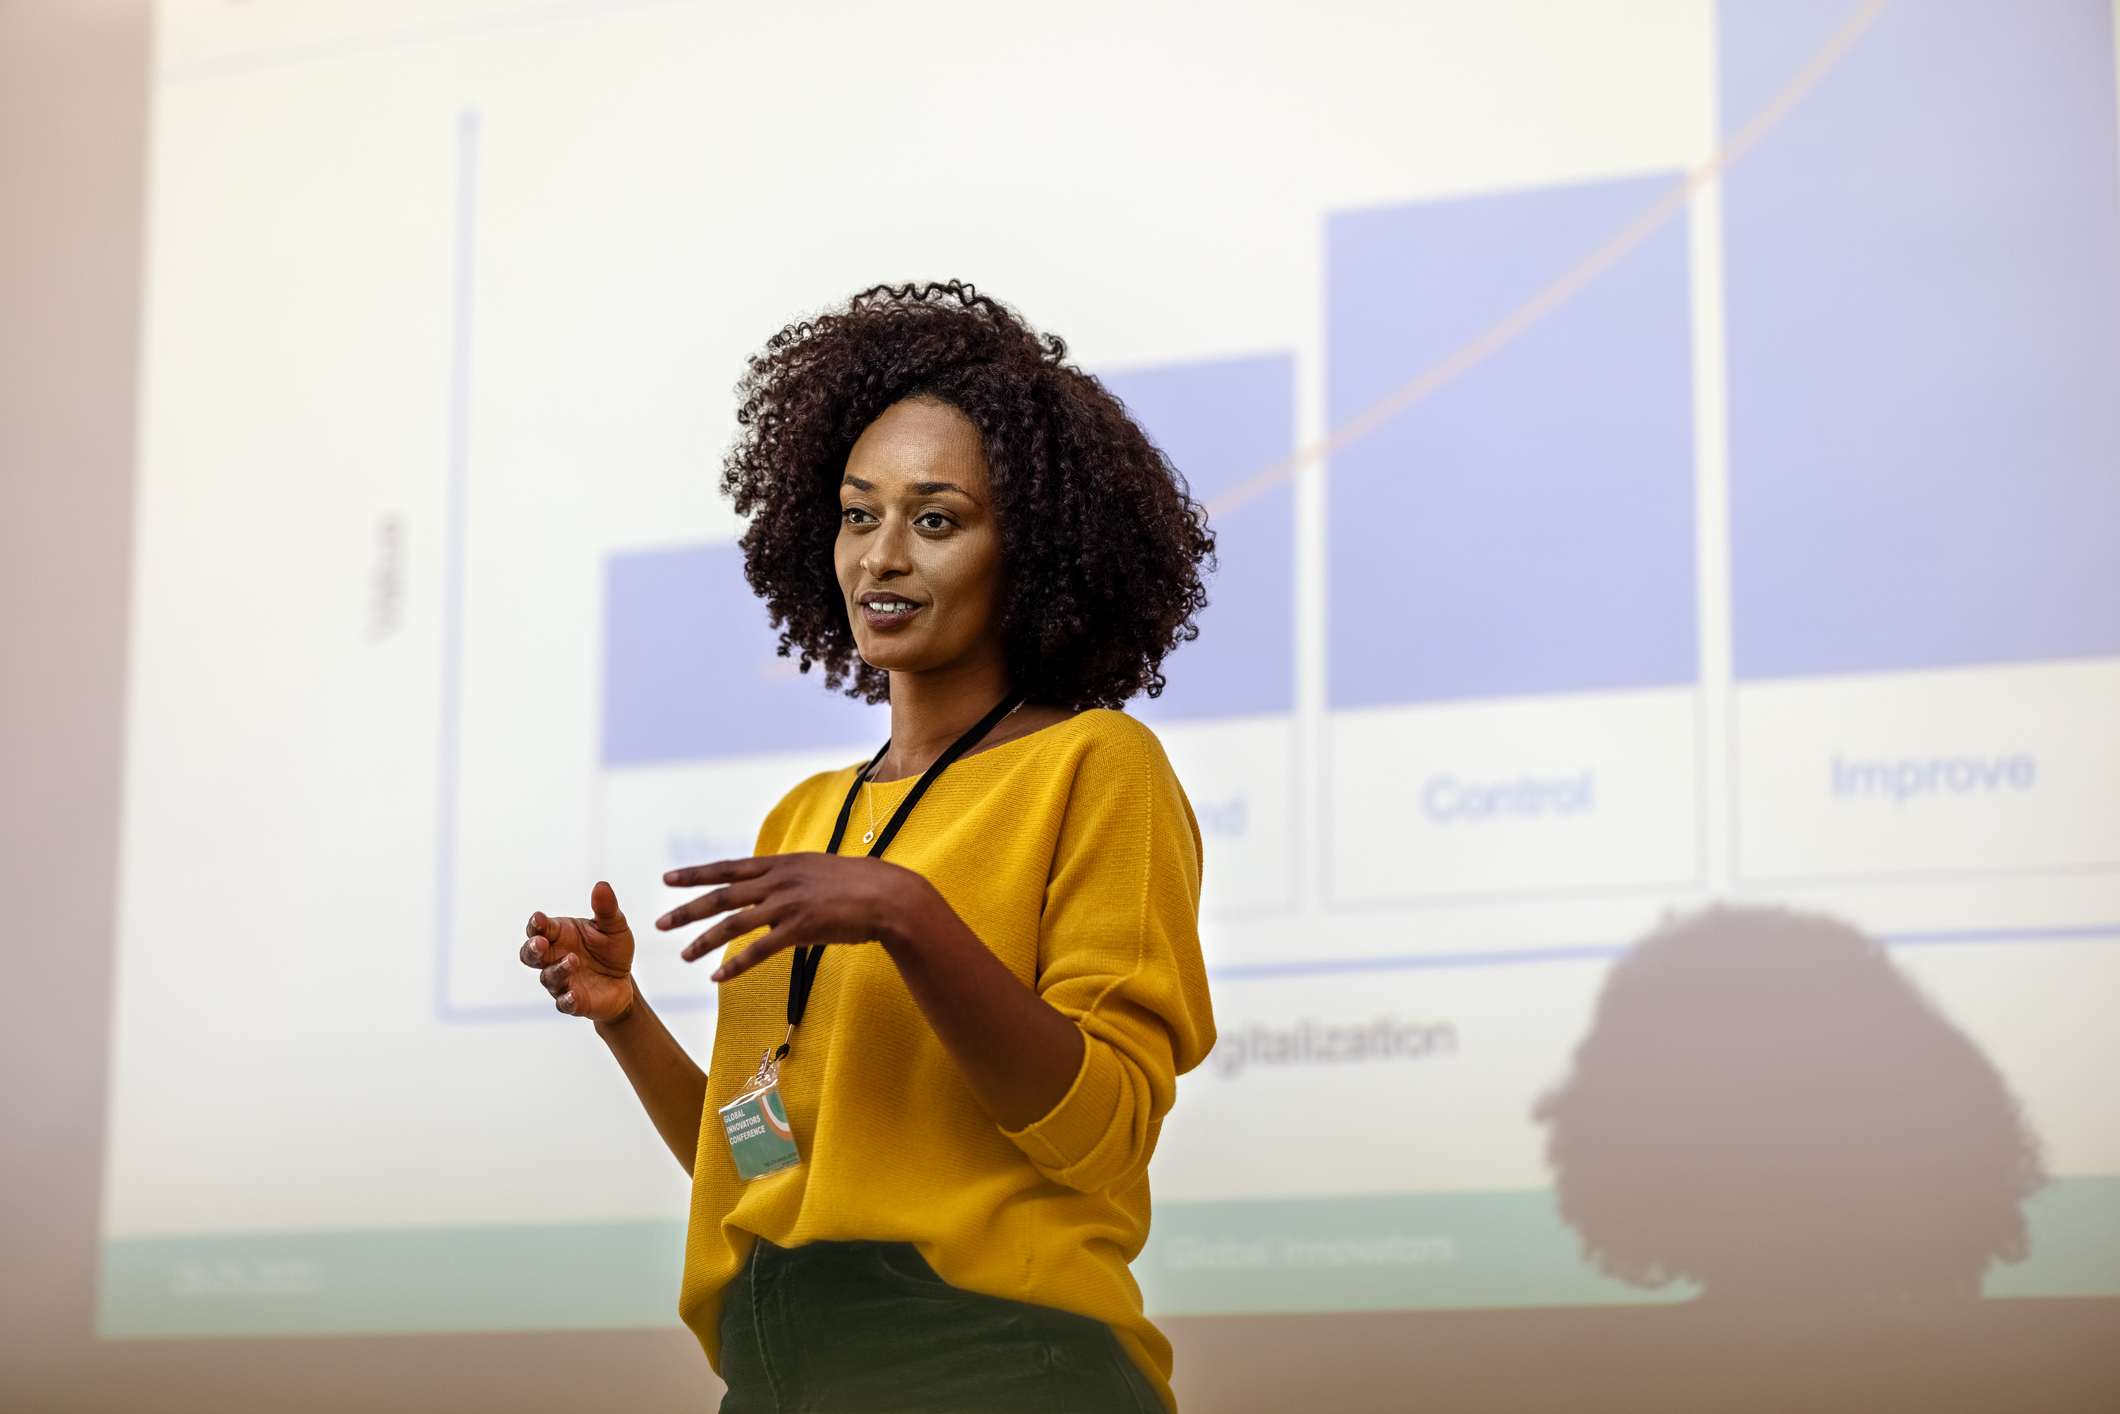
(761, 1140)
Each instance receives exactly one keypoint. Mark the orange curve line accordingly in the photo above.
(1430, 380)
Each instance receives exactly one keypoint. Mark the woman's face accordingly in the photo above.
(919, 555)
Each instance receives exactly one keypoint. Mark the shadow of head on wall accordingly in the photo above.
(1767, 1106)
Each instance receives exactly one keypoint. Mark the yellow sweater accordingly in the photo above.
(1073, 854)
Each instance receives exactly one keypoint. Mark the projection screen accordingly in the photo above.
(1662, 455)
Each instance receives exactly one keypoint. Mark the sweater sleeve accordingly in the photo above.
(1119, 955)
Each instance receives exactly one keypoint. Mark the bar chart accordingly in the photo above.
(1661, 455)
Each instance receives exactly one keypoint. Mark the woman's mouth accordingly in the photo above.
(887, 611)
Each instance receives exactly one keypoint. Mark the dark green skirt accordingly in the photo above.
(868, 1328)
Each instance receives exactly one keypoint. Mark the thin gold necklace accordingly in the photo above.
(868, 791)
(868, 788)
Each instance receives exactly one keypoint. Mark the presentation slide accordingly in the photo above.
(1663, 454)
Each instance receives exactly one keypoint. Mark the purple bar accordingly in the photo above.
(1220, 424)
(1529, 527)
(691, 672)
(1923, 293)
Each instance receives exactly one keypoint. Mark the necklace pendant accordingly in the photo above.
(869, 838)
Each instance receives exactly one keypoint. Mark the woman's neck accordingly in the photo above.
(930, 710)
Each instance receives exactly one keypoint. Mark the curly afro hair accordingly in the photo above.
(1102, 540)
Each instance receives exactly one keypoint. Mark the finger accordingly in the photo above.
(554, 978)
(548, 938)
(735, 926)
(564, 1001)
(603, 902)
(741, 895)
(748, 957)
(725, 871)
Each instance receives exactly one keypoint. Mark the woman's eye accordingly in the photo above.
(855, 515)
(933, 520)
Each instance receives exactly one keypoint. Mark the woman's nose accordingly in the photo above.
(886, 554)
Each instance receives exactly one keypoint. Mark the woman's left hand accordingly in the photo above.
(801, 900)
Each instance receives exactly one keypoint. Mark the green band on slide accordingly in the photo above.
(582, 1276)
(1396, 1252)
(1391, 1252)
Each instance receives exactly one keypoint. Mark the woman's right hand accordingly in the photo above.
(585, 963)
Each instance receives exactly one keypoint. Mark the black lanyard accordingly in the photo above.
(804, 973)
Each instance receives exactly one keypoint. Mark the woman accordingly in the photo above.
(947, 517)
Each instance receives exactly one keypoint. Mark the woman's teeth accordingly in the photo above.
(889, 606)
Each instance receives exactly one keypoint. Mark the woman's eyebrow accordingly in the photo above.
(919, 488)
